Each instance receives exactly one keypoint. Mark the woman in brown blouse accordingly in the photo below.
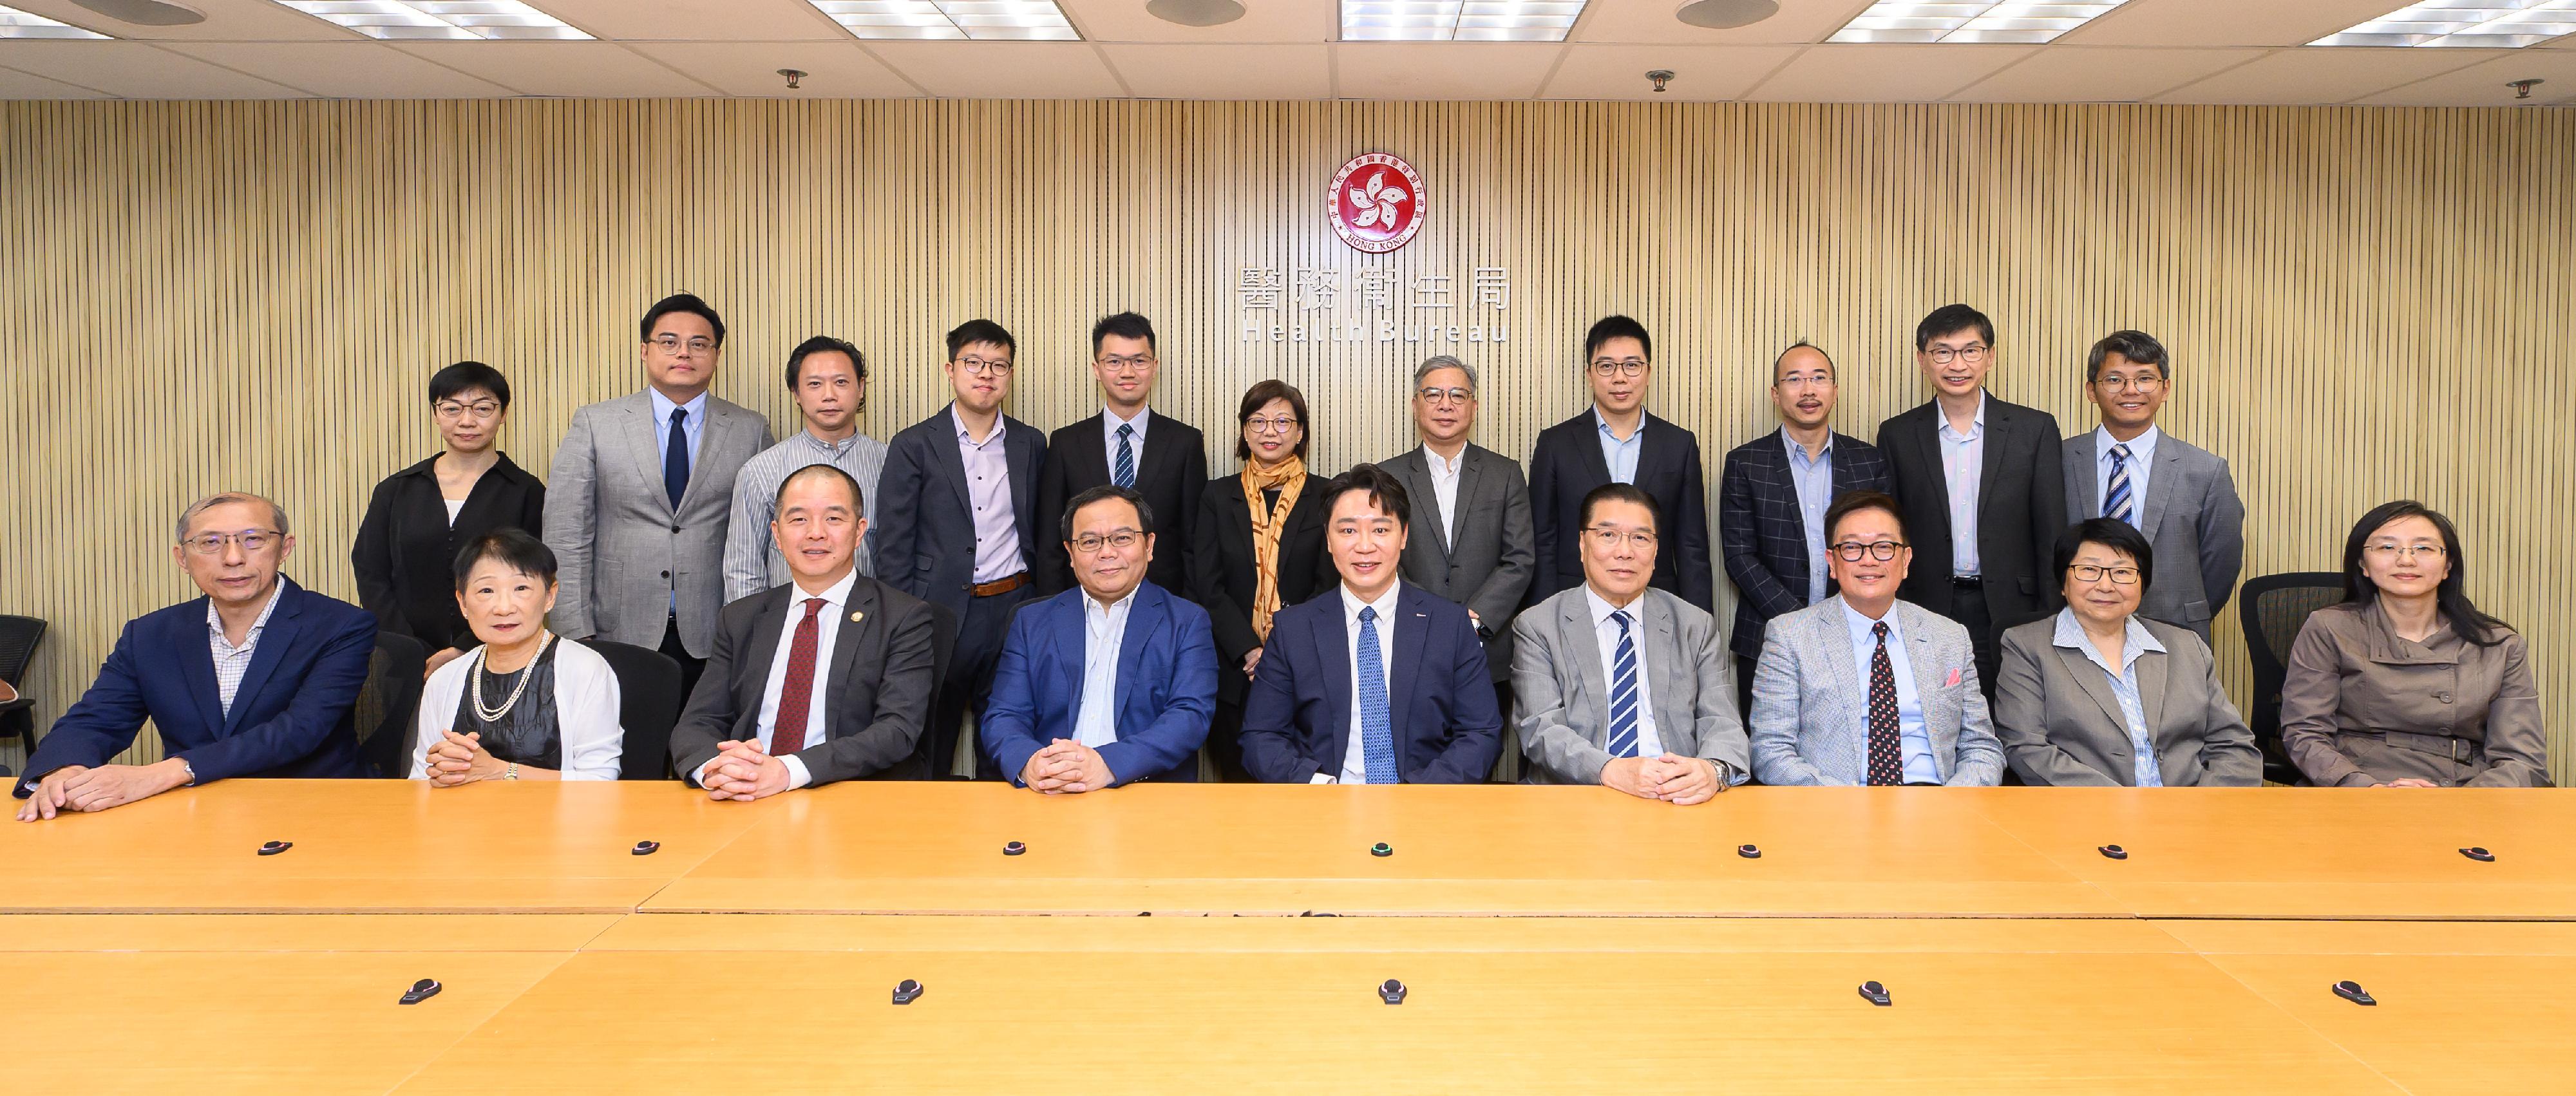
(1258, 548)
(2406, 684)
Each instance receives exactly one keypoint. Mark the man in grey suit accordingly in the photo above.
(2179, 495)
(1473, 511)
(1622, 685)
(1864, 689)
(642, 492)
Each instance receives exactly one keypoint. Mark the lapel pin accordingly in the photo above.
(855, 617)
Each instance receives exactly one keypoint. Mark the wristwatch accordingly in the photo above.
(512, 772)
(191, 771)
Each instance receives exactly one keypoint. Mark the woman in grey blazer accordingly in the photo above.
(2098, 695)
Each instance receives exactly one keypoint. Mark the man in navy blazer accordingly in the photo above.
(1108, 683)
(257, 678)
(1376, 682)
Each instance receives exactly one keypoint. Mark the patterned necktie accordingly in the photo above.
(2115, 501)
(1886, 754)
(1623, 692)
(1377, 731)
(1123, 473)
(675, 457)
(796, 695)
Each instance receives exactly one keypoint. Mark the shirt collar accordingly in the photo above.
(1604, 425)
(834, 448)
(1798, 452)
(1441, 465)
(1860, 625)
(1110, 421)
(1976, 428)
(1601, 607)
(2141, 448)
(662, 406)
(1094, 611)
(1001, 427)
(1385, 604)
(837, 594)
(215, 620)
(2134, 641)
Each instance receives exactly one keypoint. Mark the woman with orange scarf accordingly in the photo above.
(1259, 547)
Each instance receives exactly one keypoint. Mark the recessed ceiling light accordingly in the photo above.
(1195, 13)
(982, 20)
(1458, 20)
(2015, 21)
(147, 13)
(414, 20)
(2494, 24)
(1727, 14)
(28, 24)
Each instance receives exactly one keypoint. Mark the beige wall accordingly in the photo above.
(2363, 304)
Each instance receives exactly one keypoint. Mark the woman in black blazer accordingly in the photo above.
(420, 517)
(1229, 550)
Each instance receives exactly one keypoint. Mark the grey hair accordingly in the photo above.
(226, 498)
(1437, 362)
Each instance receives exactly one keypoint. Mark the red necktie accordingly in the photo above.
(1886, 754)
(788, 735)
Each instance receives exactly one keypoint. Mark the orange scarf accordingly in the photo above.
(1289, 476)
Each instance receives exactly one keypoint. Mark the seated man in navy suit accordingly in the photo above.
(257, 678)
(1377, 682)
(1108, 683)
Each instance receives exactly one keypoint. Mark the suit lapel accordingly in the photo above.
(1147, 615)
(2161, 482)
(1583, 645)
(2095, 684)
(1471, 465)
(720, 425)
(2152, 667)
(1071, 639)
(1588, 451)
(854, 621)
(1927, 683)
(1414, 622)
(197, 662)
(751, 673)
(2080, 465)
(638, 427)
(1850, 696)
(1991, 453)
(1333, 652)
(1414, 468)
(1659, 646)
(1927, 441)
(274, 639)
(951, 463)
(1022, 452)
(1159, 451)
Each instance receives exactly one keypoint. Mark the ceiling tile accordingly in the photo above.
(2225, 22)
(1884, 73)
(1700, 73)
(1303, 71)
(1443, 70)
(21, 85)
(1002, 70)
(1650, 21)
(833, 70)
(1263, 21)
(2080, 74)
(588, 70)
(226, 21)
(2320, 75)
(2483, 84)
(697, 20)
(345, 70)
(136, 70)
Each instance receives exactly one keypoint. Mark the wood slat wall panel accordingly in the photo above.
(2364, 303)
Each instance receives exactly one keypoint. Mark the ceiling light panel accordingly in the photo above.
(27, 24)
(1935, 21)
(435, 20)
(1458, 20)
(2494, 24)
(981, 20)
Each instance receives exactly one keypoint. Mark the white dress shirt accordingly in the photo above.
(1355, 757)
(1963, 466)
(1109, 424)
(1912, 739)
(1606, 630)
(1095, 723)
(825, 630)
(1444, 488)
(2142, 461)
(233, 663)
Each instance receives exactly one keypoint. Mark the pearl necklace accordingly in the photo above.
(493, 715)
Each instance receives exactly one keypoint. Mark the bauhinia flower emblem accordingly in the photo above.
(1377, 202)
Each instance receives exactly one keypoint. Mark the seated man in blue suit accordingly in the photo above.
(1108, 683)
(257, 678)
(1422, 711)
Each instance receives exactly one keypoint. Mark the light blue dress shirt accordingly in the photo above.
(2142, 460)
(1963, 468)
(695, 425)
(2124, 686)
(1095, 723)
(1621, 455)
(1815, 482)
(1911, 736)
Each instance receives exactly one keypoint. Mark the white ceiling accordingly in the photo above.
(2153, 51)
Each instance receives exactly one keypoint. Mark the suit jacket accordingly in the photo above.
(2061, 724)
(1166, 685)
(927, 547)
(1486, 566)
(1762, 534)
(1567, 464)
(1170, 473)
(291, 717)
(2021, 508)
(1222, 575)
(405, 555)
(1811, 697)
(2193, 519)
(620, 547)
(1564, 698)
(875, 694)
(1297, 721)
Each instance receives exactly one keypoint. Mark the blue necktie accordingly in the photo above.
(675, 457)
(1377, 732)
(1623, 692)
(2115, 503)
(1123, 473)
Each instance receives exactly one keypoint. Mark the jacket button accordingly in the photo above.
(666, 574)
(675, 528)
(2443, 697)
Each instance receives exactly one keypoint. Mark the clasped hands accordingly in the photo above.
(743, 771)
(1064, 766)
(1681, 781)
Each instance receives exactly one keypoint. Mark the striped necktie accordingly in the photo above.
(2116, 503)
(1123, 473)
(1623, 691)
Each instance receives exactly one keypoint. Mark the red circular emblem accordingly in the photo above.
(1376, 202)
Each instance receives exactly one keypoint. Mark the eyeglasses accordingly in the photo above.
(2086, 572)
(1606, 538)
(1270, 426)
(2387, 551)
(1807, 380)
(2140, 384)
(671, 345)
(1852, 550)
(252, 541)
(1628, 367)
(1971, 353)
(1137, 364)
(985, 366)
(452, 410)
(1446, 395)
(1121, 539)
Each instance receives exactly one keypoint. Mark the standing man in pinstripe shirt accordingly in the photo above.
(829, 380)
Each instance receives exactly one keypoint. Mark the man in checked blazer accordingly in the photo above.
(1771, 500)
(1862, 688)
(2178, 494)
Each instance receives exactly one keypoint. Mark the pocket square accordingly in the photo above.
(1954, 678)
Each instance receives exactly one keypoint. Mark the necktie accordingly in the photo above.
(1886, 754)
(675, 457)
(2115, 500)
(1377, 731)
(1123, 473)
(796, 694)
(1623, 692)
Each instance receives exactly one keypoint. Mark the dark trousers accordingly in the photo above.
(1225, 742)
(690, 667)
(1744, 668)
(970, 676)
(1968, 607)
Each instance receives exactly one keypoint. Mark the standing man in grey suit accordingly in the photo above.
(641, 494)
(1865, 689)
(961, 519)
(1472, 510)
(2178, 494)
(1622, 685)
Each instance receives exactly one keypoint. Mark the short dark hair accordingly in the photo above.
(2137, 346)
(1617, 492)
(1952, 318)
(1126, 325)
(682, 302)
(463, 377)
(858, 499)
(1102, 493)
(817, 345)
(2112, 533)
(1616, 327)
(1830, 368)
(981, 331)
(1853, 502)
(1259, 396)
(511, 548)
(1383, 489)
(2451, 598)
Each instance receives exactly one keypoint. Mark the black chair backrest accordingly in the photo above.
(648, 704)
(2274, 608)
(389, 705)
(19, 636)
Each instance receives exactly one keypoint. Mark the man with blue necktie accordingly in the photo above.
(1127, 445)
(1377, 682)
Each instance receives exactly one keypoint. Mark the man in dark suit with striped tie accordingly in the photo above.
(1126, 445)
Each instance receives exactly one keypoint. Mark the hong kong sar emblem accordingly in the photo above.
(1376, 202)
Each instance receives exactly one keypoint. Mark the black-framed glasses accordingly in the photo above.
(2086, 572)
(1971, 353)
(1852, 550)
(985, 366)
(1626, 367)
